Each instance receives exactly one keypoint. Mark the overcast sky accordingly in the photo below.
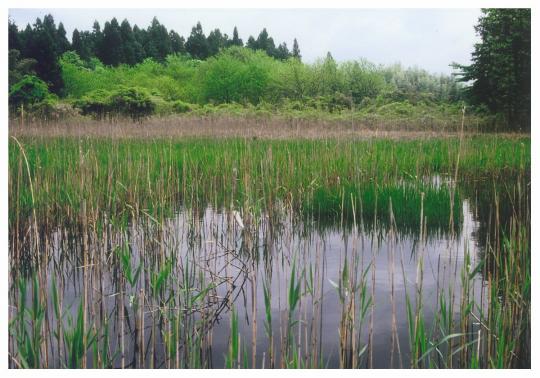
(427, 38)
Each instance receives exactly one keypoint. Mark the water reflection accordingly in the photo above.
(211, 265)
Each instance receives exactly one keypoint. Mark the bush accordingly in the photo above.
(27, 92)
(181, 107)
(132, 102)
(95, 103)
(51, 109)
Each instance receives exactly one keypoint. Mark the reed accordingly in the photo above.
(166, 253)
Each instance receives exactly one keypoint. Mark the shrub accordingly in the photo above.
(181, 107)
(95, 103)
(29, 91)
(131, 102)
(51, 109)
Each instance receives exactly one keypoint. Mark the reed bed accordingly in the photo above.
(256, 253)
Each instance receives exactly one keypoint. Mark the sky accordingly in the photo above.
(427, 38)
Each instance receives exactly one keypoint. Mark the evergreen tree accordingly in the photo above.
(262, 41)
(216, 41)
(139, 35)
(19, 67)
(41, 45)
(88, 47)
(177, 43)
(25, 37)
(197, 44)
(501, 65)
(251, 43)
(132, 50)
(158, 42)
(97, 40)
(76, 42)
(14, 41)
(271, 48)
(61, 40)
(282, 52)
(236, 41)
(296, 50)
(111, 44)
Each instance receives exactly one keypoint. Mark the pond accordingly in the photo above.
(226, 287)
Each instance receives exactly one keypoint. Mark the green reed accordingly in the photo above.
(108, 196)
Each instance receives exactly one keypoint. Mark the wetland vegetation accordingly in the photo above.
(243, 209)
(214, 253)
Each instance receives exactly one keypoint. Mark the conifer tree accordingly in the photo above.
(296, 50)
(111, 44)
(236, 41)
(197, 44)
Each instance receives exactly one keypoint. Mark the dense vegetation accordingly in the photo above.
(501, 68)
(116, 44)
(169, 74)
(207, 165)
(138, 256)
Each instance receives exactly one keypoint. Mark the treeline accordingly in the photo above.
(40, 46)
(125, 70)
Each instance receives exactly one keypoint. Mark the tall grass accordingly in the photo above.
(132, 253)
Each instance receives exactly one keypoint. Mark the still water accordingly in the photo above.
(170, 303)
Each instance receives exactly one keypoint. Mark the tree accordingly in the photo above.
(41, 45)
(111, 44)
(61, 40)
(29, 91)
(235, 75)
(197, 44)
(236, 41)
(158, 42)
(76, 42)
(97, 37)
(216, 41)
(177, 43)
(266, 43)
(296, 50)
(132, 50)
(19, 67)
(14, 41)
(81, 43)
(282, 52)
(501, 65)
(328, 76)
(251, 43)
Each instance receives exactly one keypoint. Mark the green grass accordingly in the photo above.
(152, 177)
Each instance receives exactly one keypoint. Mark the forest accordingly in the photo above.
(130, 71)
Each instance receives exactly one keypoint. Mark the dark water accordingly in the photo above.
(210, 252)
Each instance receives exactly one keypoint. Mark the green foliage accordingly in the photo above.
(196, 44)
(131, 102)
(240, 75)
(124, 101)
(181, 107)
(236, 75)
(27, 92)
(18, 67)
(45, 43)
(501, 65)
(94, 103)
